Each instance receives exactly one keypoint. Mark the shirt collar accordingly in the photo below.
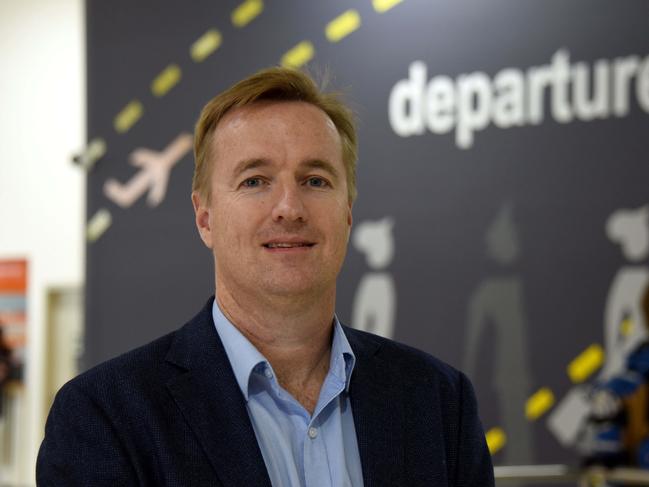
(244, 356)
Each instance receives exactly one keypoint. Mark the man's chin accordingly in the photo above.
(294, 287)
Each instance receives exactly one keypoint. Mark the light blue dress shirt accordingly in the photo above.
(298, 449)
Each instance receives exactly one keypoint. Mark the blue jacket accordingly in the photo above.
(171, 414)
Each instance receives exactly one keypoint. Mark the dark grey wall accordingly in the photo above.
(496, 258)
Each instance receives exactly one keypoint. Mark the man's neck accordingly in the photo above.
(293, 334)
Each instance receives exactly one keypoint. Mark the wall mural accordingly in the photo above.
(502, 220)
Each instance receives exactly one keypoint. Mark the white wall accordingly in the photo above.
(42, 195)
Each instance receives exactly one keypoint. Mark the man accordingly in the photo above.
(264, 386)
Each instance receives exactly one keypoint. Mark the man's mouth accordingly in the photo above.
(287, 245)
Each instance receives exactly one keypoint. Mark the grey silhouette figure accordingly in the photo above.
(624, 321)
(375, 301)
(498, 301)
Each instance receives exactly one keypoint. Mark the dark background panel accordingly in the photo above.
(149, 272)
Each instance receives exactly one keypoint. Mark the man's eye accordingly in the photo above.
(252, 183)
(317, 182)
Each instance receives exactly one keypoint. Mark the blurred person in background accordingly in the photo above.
(5, 365)
(616, 432)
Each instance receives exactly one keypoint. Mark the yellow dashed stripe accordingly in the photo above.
(299, 55)
(205, 45)
(95, 150)
(496, 439)
(539, 403)
(384, 5)
(246, 12)
(130, 114)
(166, 80)
(98, 224)
(586, 363)
(343, 25)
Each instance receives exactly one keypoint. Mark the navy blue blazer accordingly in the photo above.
(171, 414)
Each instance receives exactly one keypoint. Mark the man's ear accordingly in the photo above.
(202, 219)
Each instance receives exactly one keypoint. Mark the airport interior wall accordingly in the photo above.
(42, 194)
(502, 222)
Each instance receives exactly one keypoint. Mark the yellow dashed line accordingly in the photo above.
(539, 403)
(384, 5)
(496, 439)
(130, 114)
(300, 54)
(586, 363)
(98, 224)
(246, 12)
(343, 25)
(166, 80)
(205, 45)
(95, 150)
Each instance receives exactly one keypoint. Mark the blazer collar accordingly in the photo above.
(209, 398)
(207, 393)
(376, 398)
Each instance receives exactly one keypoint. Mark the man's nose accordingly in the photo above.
(289, 204)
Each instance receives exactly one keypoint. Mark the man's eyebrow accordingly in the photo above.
(320, 164)
(248, 164)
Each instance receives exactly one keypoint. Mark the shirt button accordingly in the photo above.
(313, 432)
(268, 373)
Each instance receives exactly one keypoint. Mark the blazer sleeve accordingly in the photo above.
(474, 467)
(81, 445)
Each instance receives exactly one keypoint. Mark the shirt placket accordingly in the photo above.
(316, 464)
(316, 460)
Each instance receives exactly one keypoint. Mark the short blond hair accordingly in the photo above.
(274, 84)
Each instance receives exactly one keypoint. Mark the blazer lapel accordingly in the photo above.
(209, 398)
(376, 401)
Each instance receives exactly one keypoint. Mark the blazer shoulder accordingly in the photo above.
(139, 365)
(412, 362)
(158, 359)
(435, 403)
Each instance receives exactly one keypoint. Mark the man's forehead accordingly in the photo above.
(249, 132)
(259, 111)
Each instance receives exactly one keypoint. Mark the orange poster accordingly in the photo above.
(13, 306)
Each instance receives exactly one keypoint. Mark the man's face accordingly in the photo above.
(279, 217)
